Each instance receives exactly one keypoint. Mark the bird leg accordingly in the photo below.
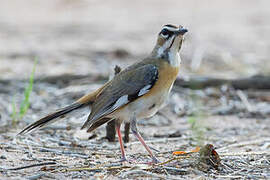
(134, 130)
(117, 127)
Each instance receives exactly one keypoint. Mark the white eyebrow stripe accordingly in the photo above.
(170, 28)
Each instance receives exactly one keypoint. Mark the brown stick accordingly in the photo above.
(253, 82)
(110, 131)
(33, 165)
(126, 136)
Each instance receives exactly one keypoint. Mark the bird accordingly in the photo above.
(137, 92)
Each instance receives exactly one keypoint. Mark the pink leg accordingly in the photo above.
(137, 134)
(139, 137)
(121, 142)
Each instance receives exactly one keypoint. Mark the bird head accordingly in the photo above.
(170, 39)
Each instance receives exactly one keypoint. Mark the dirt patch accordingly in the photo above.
(77, 44)
(60, 151)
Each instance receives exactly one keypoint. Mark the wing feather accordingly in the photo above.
(124, 88)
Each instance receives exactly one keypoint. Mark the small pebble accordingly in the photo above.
(3, 157)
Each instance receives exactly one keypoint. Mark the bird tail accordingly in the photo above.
(51, 118)
(80, 103)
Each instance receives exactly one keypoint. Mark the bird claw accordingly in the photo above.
(155, 160)
(124, 159)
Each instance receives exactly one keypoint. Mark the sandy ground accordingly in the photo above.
(227, 39)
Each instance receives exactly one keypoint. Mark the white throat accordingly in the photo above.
(174, 59)
(172, 55)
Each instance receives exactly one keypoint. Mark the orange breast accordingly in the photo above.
(166, 76)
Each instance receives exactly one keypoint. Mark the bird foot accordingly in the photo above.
(124, 159)
(153, 162)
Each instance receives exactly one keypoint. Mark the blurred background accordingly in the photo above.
(77, 43)
(226, 39)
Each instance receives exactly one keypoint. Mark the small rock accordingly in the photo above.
(3, 157)
(83, 134)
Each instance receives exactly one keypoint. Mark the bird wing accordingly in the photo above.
(124, 88)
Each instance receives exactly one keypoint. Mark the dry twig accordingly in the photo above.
(32, 165)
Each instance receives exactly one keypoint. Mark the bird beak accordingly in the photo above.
(181, 31)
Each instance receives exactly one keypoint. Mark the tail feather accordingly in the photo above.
(49, 118)
(98, 123)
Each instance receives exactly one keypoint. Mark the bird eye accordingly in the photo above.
(165, 33)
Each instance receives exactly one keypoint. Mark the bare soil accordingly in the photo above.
(84, 40)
